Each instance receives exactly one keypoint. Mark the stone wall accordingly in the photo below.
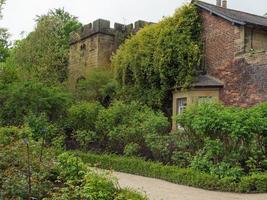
(244, 77)
(93, 45)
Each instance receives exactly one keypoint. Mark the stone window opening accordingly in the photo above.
(181, 105)
(83, 47)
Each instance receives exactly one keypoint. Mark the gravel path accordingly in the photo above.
(161, 190)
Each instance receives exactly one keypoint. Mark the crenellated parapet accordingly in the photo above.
(104, 26)
(93, 45)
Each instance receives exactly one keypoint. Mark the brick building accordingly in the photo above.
(235, 59)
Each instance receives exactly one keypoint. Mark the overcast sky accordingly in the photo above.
(19, 15)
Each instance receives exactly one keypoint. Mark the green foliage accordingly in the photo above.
(98, 188)
(97, 86)
(55, 177)
(225, 139)
(20, 99)
(81, 120)
(84, 183)
(4, 44)
(8, 75)
(70, 168)
(43, 55)
(82, 116)
(123, 123)
(131, 149)
(138, 166)
(127, 194)
(41, 128)
(2, 3)
(159, 57)
(13, 165)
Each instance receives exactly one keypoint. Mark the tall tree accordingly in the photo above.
(43, 54)
(2, 2)
(4, 35)
(4, 44)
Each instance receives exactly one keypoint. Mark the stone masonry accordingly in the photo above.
(93, 45)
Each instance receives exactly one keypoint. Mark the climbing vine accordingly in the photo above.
(160, 56)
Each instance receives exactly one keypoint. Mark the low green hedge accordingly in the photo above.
(256, 183)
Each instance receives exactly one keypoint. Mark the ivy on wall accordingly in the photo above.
(160, 56)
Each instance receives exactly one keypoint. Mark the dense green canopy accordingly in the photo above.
(43, 54)
(159, 57)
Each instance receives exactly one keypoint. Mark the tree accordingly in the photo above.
(43, 54)
(159, 57)
(98, 85)
(2, 2)
(4, 44)
(4, 35)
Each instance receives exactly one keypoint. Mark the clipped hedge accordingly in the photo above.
(248, 184)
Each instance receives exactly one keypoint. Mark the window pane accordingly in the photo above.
(181, 105)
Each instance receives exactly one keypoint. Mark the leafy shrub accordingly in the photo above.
(70, 168)
(98, 85)
(122, 124)
(41, 128)
(159, 56)
(82, 116)
(226, 138)
(14, 165)
(98, 187)
(55, 177)
(181, 159)
(127, 194)
(81, 121)
(131, 149)
(81, 182)
(20, 99)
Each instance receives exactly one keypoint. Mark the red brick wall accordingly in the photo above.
(244, 84)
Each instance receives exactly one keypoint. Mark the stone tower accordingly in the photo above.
(93, 45)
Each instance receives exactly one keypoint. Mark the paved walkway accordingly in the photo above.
(162, 190)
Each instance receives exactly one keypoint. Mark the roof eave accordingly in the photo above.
(221, 15)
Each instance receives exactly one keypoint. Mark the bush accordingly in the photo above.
(127, 194)
(122, 124)
(97, 86)
(190, 177)
(13, 165)
(82, 116)
(18, 100)
(81, 182)
(225, 135)
(131, 149)
(55, 177)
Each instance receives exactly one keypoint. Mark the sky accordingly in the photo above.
(19, 15)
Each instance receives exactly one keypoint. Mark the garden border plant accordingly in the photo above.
(256, 183)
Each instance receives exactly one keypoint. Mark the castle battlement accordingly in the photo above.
(103, 26)
(93, 45)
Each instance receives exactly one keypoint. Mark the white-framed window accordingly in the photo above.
(181, 105)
